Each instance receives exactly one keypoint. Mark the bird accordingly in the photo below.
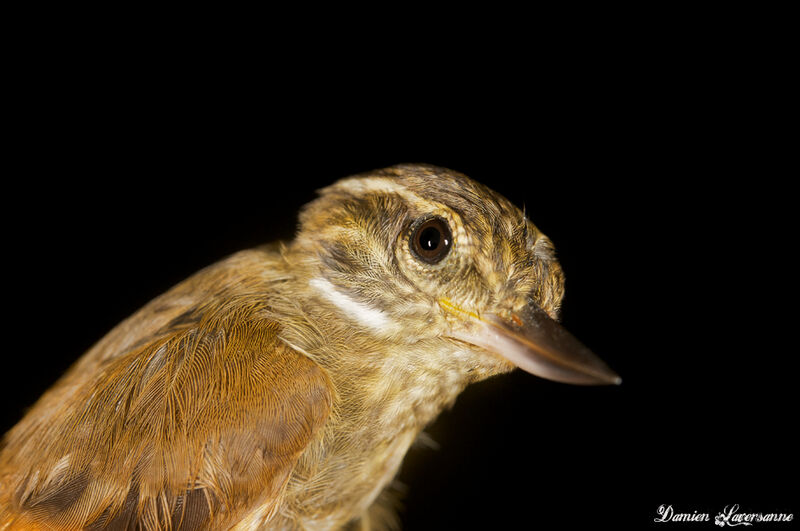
(281, 387)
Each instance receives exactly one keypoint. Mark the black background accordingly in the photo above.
(654, 168)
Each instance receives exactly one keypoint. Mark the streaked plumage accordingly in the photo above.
(281, 387)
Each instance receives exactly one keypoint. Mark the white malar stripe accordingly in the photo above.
(359, 312)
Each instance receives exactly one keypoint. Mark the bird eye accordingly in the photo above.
(431, 240)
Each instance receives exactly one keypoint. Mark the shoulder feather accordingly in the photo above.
(196, 425)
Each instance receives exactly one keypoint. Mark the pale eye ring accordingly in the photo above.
(430, 240)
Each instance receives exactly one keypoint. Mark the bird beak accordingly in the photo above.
(535, 343)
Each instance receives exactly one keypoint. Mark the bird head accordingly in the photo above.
(417, 253)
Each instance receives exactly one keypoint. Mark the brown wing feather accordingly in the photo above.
(196, 425)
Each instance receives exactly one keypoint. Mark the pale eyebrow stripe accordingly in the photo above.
(371, 184)
(362, 185)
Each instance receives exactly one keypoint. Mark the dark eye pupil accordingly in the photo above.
(429, 238)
